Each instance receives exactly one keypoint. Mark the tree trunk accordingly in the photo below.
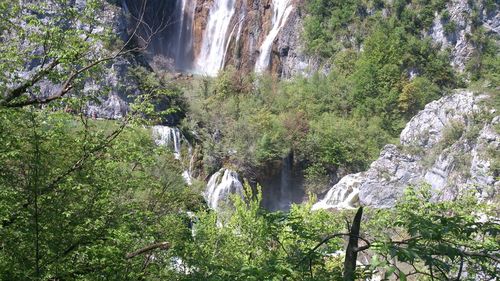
(351, 254)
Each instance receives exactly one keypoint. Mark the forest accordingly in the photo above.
(84, 197)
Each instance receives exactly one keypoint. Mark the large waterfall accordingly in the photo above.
(281, 11)
(203, 36)
(169, 26)
(220, 186)
(213, 48)
(184, 48)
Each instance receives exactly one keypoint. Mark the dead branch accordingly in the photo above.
(9, 99)
(161, 245)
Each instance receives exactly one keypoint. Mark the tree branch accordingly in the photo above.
(161, 245)
(9, 98)
(21, 89)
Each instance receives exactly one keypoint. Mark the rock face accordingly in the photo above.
(207, 35)
(290, 58)
(449, 145)
(114, 80)
(116, 76)
(204, 36)
(457, 36)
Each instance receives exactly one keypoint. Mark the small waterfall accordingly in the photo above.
(172, 137)
(169, 137)
(222, 184)
(286, 182)
(343, 195)
(281, 11)
(238, 33)
(213, 48)
(187, 177)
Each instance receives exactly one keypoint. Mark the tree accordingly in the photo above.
(51, 48)
(74, 191)
(70, 213)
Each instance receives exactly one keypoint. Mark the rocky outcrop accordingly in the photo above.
(454, 31)
(116, 75)
(450, 145)
(289, 57)
(106, 87)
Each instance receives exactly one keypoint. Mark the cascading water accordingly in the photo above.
(220, 186)
(183, 51)
(281, 11)
(343, 195)
(171, 137)
(286, 182)
(239, 25)
(170, 23)
(213, 48)
(168, 136)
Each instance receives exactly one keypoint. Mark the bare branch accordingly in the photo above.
(21, 89)
(161, 245)
(67, 84)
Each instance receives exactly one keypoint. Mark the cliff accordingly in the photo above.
(452, 145)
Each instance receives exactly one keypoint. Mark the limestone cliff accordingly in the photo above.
(453, 144)
(454, 30)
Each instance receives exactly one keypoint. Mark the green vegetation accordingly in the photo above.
(77, 195)
(85, 199)
(330, 122)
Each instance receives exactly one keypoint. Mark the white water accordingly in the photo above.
(213, 47)
(183, 53)
(343, 195)
(220, 186)
(238, 34)
(169, 137)
(286, 183)
(281, 11)
(181, 9)
(187, 177)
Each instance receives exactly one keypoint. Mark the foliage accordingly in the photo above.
(158, 100)
(416, 94)
(78, 196)
(439, 240)
(250, 244)
(41, 44)
(68, 218)
(485, 61)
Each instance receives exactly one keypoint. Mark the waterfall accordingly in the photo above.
(213, 47)
(220, 186)
(172, 137)
(281, 11)
(169, 137)
(286, 182)
(238, 34)
(343, 195)
(183, 52)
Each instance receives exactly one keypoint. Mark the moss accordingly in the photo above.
(450, 27)
(452, 133)
(462, 163)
